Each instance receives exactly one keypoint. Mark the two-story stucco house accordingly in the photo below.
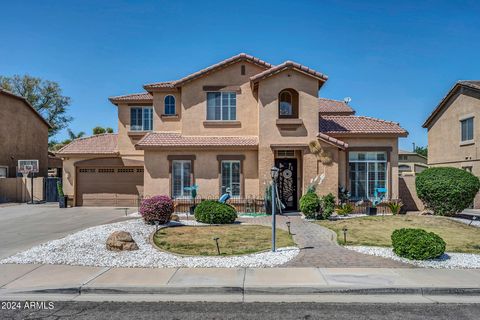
(23, 135)
(453, 131)
(411, 163)
(225, 127)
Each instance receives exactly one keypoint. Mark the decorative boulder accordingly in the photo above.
(121, 241)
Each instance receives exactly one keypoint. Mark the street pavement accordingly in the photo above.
(246, 311)
(23, 226)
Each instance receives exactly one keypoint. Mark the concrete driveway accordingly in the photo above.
(24, 226)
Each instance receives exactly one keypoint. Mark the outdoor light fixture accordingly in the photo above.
(288, 226)
(156, 225)
(274, 174)
(218, 247)
(473, 219)
(344, 235)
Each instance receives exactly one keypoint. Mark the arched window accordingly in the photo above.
(170, 105)
(288, 104)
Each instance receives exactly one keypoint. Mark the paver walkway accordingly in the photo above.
(319, 247)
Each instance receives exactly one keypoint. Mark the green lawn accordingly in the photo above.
(376, 231)
(234, 239)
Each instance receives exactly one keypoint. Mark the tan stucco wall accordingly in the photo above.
(194, 105)
(206, 172)
(444, 135)
(23, 135)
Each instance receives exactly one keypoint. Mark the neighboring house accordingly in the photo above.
(23, 135)
(453, 130)
(411, 163)
(225, 127)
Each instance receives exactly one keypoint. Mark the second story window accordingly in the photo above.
(170, 105)
(467, 129)
(288, 104)
(221, 106)
(141, 118)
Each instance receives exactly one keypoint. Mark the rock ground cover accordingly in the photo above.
(88, 248)
(447, 260)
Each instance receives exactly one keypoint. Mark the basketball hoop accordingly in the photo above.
(28, 166)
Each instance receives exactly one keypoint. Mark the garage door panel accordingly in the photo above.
(112, 186)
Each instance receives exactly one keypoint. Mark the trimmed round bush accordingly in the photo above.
(157, 208)
(417, 244)
(214, 212)
(309, 204)
(446, 191)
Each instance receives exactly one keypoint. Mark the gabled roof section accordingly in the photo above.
(334, 107)
(289, 65)
(100, 144)
(134, 97)
(13, 95)
(169, 140)
(352, 125)
(332, 141)
(471, 84)
(223, 64)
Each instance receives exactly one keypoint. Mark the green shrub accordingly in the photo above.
(417, 244)
(214, 212)
(345, 209)
(395, 207)
(328, 205)
(446, 191)
(309, 204)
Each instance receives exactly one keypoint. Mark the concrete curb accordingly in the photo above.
(292, 290)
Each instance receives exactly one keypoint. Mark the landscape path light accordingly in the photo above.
(288, 226)
(344, 235)
(156, 225)
(216, 242)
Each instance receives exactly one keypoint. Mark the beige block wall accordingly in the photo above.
(20, 189)
(206, 172)
(444, 135)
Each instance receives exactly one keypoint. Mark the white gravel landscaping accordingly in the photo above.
(87, 248)
(446, 261)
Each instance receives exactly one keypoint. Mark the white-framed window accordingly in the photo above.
(3, 172)
(466, 129)
(170, 109)
(367, 172)
(221, 106)
(141, 118)
(231, 177)
(181, 178)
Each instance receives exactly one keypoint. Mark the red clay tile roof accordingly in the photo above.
(329, 106)
(176, 140)
(340, 125)
(222, 64)
(331, 140)
(13, 95)
(472, 84)
(134, 97)
(99, 144)
(288, 65)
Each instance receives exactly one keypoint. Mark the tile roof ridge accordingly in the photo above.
(379, 120)
(131, 94)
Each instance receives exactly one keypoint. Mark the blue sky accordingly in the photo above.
(395, 59)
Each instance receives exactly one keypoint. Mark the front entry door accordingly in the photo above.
(287, 182)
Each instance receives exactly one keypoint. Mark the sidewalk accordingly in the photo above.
(77, 281)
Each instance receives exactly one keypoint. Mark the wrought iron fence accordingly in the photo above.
(250, 204)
